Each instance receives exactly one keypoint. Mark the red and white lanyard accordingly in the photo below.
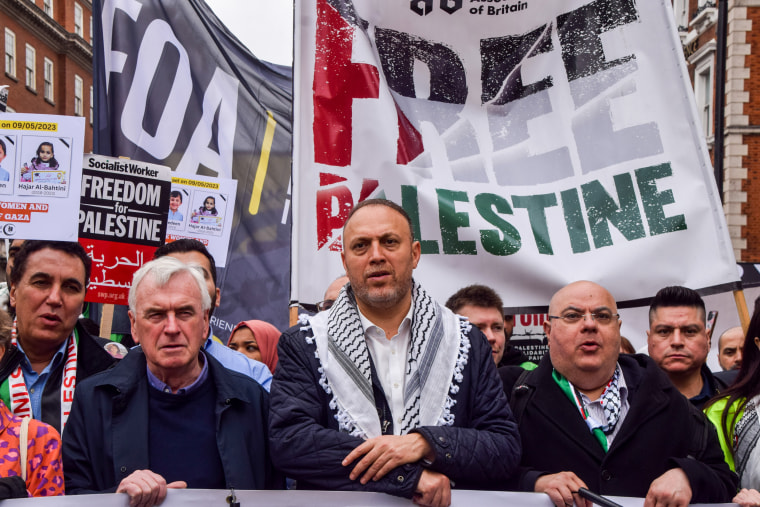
(21, 404)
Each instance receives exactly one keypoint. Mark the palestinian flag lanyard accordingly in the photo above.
(610, 401)
(21, 404)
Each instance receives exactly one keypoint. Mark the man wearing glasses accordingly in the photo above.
(614, 424)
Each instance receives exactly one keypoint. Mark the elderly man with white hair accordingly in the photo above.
(169, 415)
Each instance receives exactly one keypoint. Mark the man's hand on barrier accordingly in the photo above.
(433, 490)
(671, 489)
(560, 488)
(146, 488)
(383, 454)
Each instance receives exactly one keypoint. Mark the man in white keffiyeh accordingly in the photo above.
(388, 390)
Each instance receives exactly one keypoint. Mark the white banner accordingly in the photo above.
(40, 176)
(218, 498)
(532, 142)
(204, 207)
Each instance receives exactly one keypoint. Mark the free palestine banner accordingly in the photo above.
(174, 87)
(533, 143)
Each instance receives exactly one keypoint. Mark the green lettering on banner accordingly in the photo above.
(601, 209)
(654, 201)
(536, 206)
(451, 220)
(411, 205)
(576, 227)
(505, 240)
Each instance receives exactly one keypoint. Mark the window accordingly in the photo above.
(10, 53)
(78, 20)
(78, 90)
(47, 6)
(92, 110)
(681, 8)
(703, 92)
(31, 75)
(48, 77)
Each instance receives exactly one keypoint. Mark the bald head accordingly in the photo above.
(334, 288)
(730, 346)
(585, 349)
(581, 288)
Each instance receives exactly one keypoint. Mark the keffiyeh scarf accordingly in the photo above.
(437, 354)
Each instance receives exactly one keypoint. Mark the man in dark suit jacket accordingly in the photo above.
(613, 424)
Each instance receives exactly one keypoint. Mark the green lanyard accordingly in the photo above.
(571, 393)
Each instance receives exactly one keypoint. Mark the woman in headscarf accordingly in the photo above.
(256, 339)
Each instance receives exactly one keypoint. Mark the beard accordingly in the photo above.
(382, 297)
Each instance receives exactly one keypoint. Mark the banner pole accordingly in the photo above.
(741, 308)
(293, 315)
(106, 320)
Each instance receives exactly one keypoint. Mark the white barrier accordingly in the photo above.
(218, 498)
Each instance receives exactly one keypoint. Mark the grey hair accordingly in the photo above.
(161, 270)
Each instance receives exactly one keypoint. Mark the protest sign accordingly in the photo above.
(122, 220)
(40, 173)
(533, 143)
(201, 208)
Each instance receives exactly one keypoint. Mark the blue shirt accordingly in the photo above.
(175, 215)
(236, 361)
(161, 386)
(35, 382)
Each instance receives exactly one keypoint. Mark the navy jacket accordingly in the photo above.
(106, 437)
(662, 430)
(480, 451)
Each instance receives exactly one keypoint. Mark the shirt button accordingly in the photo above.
(606, 475)
(123, 469)
(31, 390)
(395, 386)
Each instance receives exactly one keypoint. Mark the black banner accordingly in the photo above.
(173, 86)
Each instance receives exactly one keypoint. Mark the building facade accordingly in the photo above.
(47, 52)
(697, 22)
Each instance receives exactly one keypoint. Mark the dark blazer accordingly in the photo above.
(662, 430)
(106, 438)
(479, 451)
(92, 358)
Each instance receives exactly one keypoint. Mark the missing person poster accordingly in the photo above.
(40, 173)
(201, 208)
(122, 220)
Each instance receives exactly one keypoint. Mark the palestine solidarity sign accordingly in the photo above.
(533, 143)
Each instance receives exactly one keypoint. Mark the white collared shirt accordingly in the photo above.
(390, 359)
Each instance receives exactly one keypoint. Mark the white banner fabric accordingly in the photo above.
(218, 498)
(533, 143)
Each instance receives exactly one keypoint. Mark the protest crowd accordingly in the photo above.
(384, 389)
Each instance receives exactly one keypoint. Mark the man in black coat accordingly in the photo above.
(613, 424)
(388, 391)
(168, 415)
(52, 352)
(678, 341)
